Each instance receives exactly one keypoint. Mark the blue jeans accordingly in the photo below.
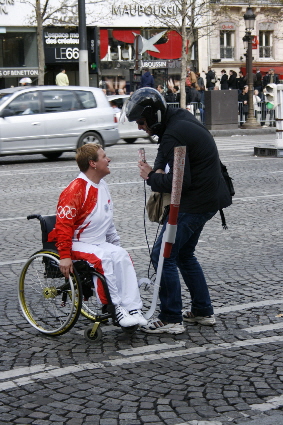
(182, 256)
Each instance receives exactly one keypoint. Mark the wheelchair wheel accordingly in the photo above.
(96, 337)
(50, 302)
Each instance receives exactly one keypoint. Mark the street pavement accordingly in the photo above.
(231, 373)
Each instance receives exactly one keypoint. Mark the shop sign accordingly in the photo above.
(227, 26)
(3, 6)
(148, 10)
(18, 72)
(61, 47)
(161, 64)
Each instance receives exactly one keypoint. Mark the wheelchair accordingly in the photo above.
(52, 303)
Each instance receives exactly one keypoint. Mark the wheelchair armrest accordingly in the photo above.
(32, 216)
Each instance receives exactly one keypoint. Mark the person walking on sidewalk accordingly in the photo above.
(62, 78)
(204, 192)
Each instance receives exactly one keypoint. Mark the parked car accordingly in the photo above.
(129, 131)
(51, 120)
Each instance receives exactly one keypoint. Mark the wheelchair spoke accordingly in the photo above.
(49, 302)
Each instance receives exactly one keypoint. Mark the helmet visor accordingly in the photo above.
(131, 111)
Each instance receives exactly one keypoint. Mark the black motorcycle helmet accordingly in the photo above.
(149, 104)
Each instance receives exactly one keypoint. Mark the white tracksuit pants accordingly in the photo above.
(116, 265)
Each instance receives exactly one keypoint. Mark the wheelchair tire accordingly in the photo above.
(96, 337)
(49, 302)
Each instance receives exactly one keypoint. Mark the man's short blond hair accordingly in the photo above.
(87, 153)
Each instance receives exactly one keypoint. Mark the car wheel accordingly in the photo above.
(131, 140)
(52, 155)
(153, 139)
(90, 137)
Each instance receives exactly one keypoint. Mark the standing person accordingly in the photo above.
(176, 92)
(62, 78)
(272, 77)
(258, 80)
(210, 79)
(85, 230)
(201, 86)
(224, 80)
(191, 77)
(160, 88)
(204, 192)
(232, 81)
(265, 79)
(243, 98)
(147, 79)
(256, 103)
(241, 82)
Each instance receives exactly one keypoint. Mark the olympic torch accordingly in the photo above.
(171, 228)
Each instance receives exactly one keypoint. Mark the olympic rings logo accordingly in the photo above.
(66, 212)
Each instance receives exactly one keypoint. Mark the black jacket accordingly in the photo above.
(210, 75)
(232, 82)
(224, 82)
(192, 95)
(204, 188)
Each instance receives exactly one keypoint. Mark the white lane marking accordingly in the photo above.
(60, 170)
(113, 184)
(249, 198)
(56, 372)
(13, 218)
(238, 307)
(153, 347)
(272, 403)
(264, 328)
(24, 371)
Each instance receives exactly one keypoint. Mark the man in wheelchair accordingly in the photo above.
(85, 230)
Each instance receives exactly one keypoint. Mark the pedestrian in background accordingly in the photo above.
(258, 80)
(191, 77)
(232, 80)
(147, 79)
(160, 88)
(272, 77)
(243, 98)
(210, 79)
(62, 78)
(241, 82)
(224, 80)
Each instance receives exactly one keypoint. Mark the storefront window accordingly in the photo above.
(18, 49)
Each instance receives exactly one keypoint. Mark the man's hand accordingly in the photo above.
(145, 169)
(66, 266)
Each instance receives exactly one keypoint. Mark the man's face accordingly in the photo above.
(142, 125)
(102, 164)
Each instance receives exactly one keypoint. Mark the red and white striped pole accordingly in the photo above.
(171, 228)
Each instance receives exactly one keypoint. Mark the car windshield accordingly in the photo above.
(4, 97)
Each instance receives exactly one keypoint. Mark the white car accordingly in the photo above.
(52, 119)
(128, 130)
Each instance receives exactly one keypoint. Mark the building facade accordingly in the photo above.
(224, 45)
(113, 31)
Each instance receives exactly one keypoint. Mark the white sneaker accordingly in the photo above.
(138, 316)
(201, 320)
(123, 317)
(155, 326)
